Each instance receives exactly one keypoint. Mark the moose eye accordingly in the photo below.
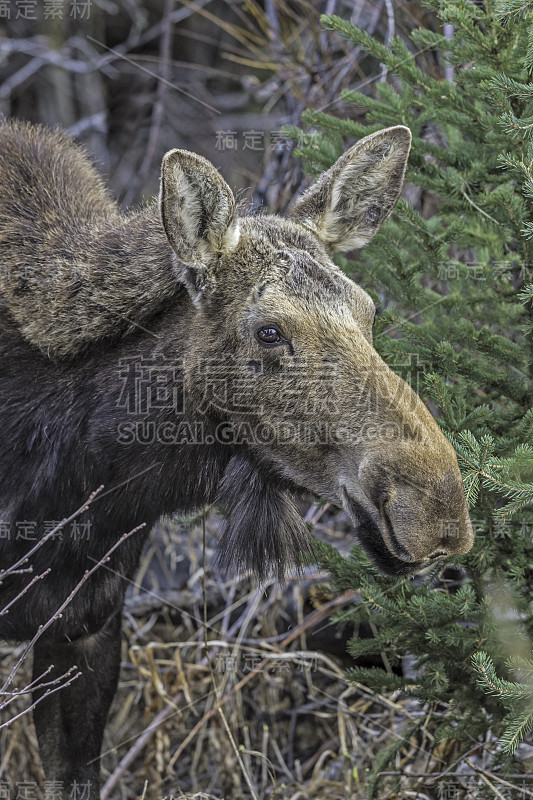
(269, 334)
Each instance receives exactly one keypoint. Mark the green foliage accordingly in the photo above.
(454, 288)
(518, 697)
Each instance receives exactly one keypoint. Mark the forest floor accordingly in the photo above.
(253, 705)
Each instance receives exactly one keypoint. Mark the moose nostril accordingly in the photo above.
(438, 554)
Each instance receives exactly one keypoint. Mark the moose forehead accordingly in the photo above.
(294, 270)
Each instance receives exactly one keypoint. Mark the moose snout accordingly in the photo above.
(407, 520)
(429, 529)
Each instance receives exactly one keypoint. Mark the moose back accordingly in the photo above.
(182, 355)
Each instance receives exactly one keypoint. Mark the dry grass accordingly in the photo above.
(245, 707)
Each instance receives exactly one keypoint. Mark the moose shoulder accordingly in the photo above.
(183, 355)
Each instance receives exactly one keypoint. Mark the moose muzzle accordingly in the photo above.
(409, 506)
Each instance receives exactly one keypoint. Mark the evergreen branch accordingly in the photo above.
(469, 200)
(507, 8)
(516, 732)
(526, 295)
(386, 755)
(528, 60)
(377, 679)
(522, 91)
(515, 126)
(403, 65)
(346, 127)
(489, 680)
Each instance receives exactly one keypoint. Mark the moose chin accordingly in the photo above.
(186, 317)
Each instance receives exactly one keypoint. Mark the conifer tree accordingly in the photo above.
(454, 289)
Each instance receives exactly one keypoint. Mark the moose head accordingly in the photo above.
(307, 398)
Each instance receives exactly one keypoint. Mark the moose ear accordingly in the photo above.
(264, 532)
(349, 202)
(198, 214)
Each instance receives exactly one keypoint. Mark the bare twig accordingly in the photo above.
(159, 102)
(25, 589)
(50, 535)
(488, 777)
(54, 686)
(390, 33)
(87, 574)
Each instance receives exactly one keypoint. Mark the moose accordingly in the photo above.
(180, 355)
